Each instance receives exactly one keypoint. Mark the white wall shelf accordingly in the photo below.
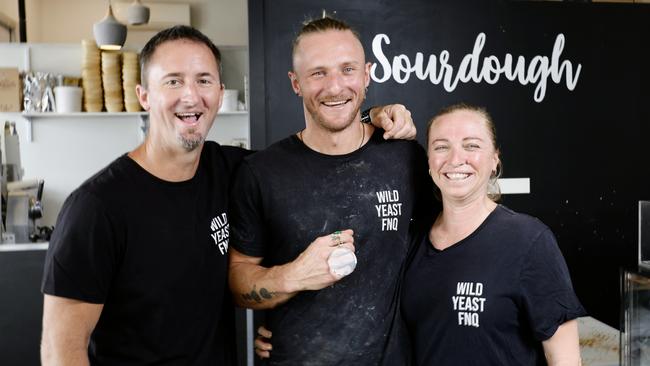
(104, 114)
(80, 114)
(30, 116)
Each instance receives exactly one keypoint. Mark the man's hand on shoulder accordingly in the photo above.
(395, 120)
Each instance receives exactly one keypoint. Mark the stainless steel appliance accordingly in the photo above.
(21, 199)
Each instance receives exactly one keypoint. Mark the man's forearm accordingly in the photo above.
(258, 287)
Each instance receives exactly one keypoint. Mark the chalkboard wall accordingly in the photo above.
(574, 117)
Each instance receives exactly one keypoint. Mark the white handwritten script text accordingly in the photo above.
(476, 68)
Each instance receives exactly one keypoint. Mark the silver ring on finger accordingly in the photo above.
(336, 238)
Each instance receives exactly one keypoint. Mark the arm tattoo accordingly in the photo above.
(258, 297)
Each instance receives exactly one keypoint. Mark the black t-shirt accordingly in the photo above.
(489, 299)
(155, 254)
(287, 195)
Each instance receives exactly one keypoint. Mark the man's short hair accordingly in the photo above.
(178, 32)
(323, 24)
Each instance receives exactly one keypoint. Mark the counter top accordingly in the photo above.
(23, 247)
(599, 343)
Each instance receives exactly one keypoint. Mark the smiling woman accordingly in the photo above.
(490, 276)
(463, 157)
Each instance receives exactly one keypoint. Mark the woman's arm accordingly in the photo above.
(563, 347)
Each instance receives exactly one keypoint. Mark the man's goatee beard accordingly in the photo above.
(190, 144)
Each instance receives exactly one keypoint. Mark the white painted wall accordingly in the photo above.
(10, 9)
(33, 19)
(66, 151)
(5, 36)
(224, 21)
(69, 21)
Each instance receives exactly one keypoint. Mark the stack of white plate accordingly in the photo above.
(130, 78)
(91, 76)
(112, 81)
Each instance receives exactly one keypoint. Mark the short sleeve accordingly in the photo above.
(82, 255)
(246, 207)
(548, 295)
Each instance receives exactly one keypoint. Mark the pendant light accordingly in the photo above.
(109, 33)
(137, 13)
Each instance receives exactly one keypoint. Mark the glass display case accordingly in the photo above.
(644, 234)
(635, 327)
(635, 301)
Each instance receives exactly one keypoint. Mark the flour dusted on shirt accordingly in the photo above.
(287, 195)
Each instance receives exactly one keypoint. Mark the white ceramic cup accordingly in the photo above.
(68, 99)
(229, 103)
